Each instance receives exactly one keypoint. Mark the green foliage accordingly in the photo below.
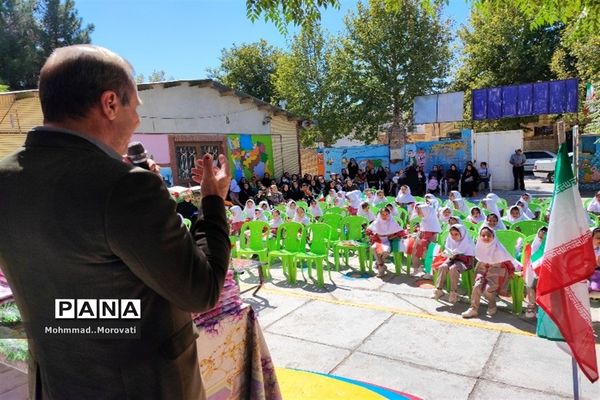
(14, 349)
(501, 48)
(305, 13)
(594, 115)
(29, 31)
(3, 88)
(583, 15)
(155, 76)
(304, 80)
(9, 314)
(388, 57)
(249, 68)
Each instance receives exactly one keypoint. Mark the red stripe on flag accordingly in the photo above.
(575, 325)
(561, 268)
(567, 264)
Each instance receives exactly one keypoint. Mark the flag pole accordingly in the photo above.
(575, 379)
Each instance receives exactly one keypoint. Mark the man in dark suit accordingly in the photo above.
(76, 222)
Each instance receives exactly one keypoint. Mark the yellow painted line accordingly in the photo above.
(399, 311)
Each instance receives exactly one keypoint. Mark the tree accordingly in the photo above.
(501, 48)
(585, 13)
(29, 31)
(386, 59)
(155, 76)
(18, 32)
(303, 80)
(248, 68)
(61, 26)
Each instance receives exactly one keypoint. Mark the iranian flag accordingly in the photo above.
(568, 261)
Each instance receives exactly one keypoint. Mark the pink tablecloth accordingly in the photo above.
(235, 361)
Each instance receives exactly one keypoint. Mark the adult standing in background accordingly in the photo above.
(352, 168)
(117, 236)
(234, 192)
(517, 161)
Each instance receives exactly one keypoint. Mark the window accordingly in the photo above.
(185, 150)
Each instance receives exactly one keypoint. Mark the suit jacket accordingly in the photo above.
(76, 223)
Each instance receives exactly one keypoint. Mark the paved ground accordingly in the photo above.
(390, 333)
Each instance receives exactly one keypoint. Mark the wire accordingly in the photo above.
(201, 116)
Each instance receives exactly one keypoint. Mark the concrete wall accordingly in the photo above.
(183, 109)
(549, 143)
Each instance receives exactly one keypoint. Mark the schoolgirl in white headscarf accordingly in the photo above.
(494, 269)
(340, 199)
(365, 211)
(259, 215)
(237, 219)
(475, 215)
(499, 225)
(301, 216)
(525, 208)
(276, 220)
(405, 198)
(264, 205)
(315, 210)
(249, 209)
(491, 205)
(330, 198)
(381, 231)
(515, 214)
(432, 201)
(354, 198)
(379, 197)
(456, 202)
(291, 209)
(444, 214)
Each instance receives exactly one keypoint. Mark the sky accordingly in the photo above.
(185, 37)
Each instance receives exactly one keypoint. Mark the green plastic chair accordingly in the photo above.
(233, 239)
(289, 241)
(187, 223)
(353, 228)
(255, 242)
(528, 228)
(336, 210)
(318, 250)
(301, 203)
(509, 239)
(335, 222)
(595, 219)
(506, 223)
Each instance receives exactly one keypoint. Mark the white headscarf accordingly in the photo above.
(384, 228)
(537, 242)
(264, 202)
(249, 210)
(493, 252)
(435, 203)
(367, 214)
(464, 246)
(594, 205)
(330, 198)
(261, 215)
(525, 209)
(315, 210)
(405, 198)
(470, 217)
(457, 218)
(429, 223)
(462, 207)
(304, 220)
(441, 216)
(291, 212)
(521, 216)
(378, 200)
(499, 226)
(491, 205)
(394, 211)
(340, 199)
(354, 197)
(237, 215)
(275, 222)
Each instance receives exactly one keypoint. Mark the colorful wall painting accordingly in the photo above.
(250, 155)
(589, 162)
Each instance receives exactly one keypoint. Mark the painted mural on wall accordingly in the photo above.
(424, 154)
(250, 154)
(589, 163)
(367, 157)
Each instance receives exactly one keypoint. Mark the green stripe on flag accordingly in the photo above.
(563, 173)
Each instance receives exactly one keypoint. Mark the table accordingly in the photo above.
(234, 359)
(239, 265)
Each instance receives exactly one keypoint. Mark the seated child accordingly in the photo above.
(429, 227)
(405, 199)
(459, 251)
(237, 220)
(432, 184)
(264, 205)
(315, 210)
(495, 266)
(515, 215)
(492, 221)
(445, 214)
(291, 210)
(530, 275)
(340, 199)
(381, 232)
(249, 209)
(275, 221)
(259, 215)
(379, 197)
(301, 216)
(475, 216)
(365, 212)
(432, 201)
(369, 198)
(354, 199)
(456, 201)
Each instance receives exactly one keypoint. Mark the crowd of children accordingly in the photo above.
(412, 223)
